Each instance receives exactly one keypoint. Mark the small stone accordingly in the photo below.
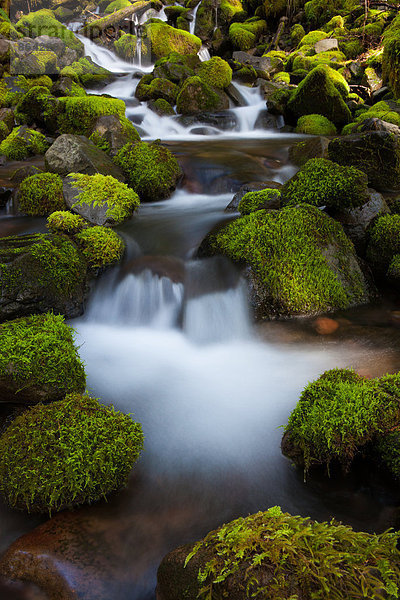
(325, 45)
(325, 326)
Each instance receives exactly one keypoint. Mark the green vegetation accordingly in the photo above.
(23, 142)
(258, 200)
(276, 556)
(322, 182)
(116, 5)
(384, 242)
(315, 125)
(215, 72)
(125, 46)
(391, 56)
(245, 35)
(67, 453)
(196, 96)
(80, 113)
(165, 39)
(151, 169)
(340, 413)
(43, 22)
(313, 37)
(285, 249)
(39, 352)
(104, 190)
(38, 106)
(100, 246)
(40, 195)
(63, 221)
(86, 72)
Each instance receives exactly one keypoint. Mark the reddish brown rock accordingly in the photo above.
(325, 326)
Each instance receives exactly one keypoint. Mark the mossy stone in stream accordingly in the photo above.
(197, 96)
(216, 72)
(23, 142)
(100, 246)
(41, 194)
(384, 242)
(67, 453)
(87, 73)
(116, 5)
(253, 201)
(38, 360)
(151, 169)
(43, 22)
(315, 125)
(165, 39)
(80, 113)
(63, 221)
(38, 106)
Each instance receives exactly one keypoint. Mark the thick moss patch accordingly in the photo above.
(165, 39)
(38, 360)
(80, 113)
(384, 242)
(23, 142)
(63, 221)
(43, 22)
(315, 125)
(391, 56)
(67, 453)
(100, 246)
(40, 195)
(215, 72)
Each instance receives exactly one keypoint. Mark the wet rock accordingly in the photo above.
(235, 95)
(377, 153)
(23, 172)
(163, 266)
(196, 96)
(7, 116)
(375, 124)
(76, 154)
(252, 186)
(41, 273)
(266, 120)
(325, 326)
(225, 121)
(371, 80)
(315, 147)
(46, 42)
(356, 221)
(112, 132)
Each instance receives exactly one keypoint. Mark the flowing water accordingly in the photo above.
(169, 338)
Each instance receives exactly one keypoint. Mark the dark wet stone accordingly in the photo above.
(252, 186)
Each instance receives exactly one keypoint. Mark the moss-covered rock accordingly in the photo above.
(297, 33)
(318, 94)
(161, 107)
(63, 221)
(38, 360)
(376, 153)
(215, 72)
(125, 46)
(257, 200)
(393, 274)
(151, 169)
(339, 415)
(245, 35)
(80, 114)
(322, 182)
(37, 62)
(300, 261)
(274, 555)
(40, 273)
(384, 242)
(100, 199)
(87, 73)
(101, 246)
(116, 5)
(23, 142)
(43, 22)
(315, 125)
(111, 133)
(67, 453)
(41, 194)
(318, 12)
(381, 110)
(196, 96)
(332, 58)
(158, 88)
(313, 37)
(165, 39)
(391, 56)
(176, 67)
(38, 106)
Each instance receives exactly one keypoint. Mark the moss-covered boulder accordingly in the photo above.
(64, 221)
(391, 56)
(110, 133)
(176, 67)
(244, 36)
(87, 73)
(157, 88)
(322, 182)
(80, 113)
(38, 62)
(41, 273)
(339, 415)
(393, 276)
(315, 125)
(43, 22)
(100, 199)
(265, 199)
(38, 360)
(298, 261)
(125, 46)
(101, 246)
(41, 194)
(116, 5)
(197, 96)
(39, 107)
(376, 153)
(383, 243)
(164, 39)
(274, 555)
(151, 169)
(318, 93)
(216, 72)
(23, 142)
(67, 453)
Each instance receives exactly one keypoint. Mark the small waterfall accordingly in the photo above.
(138, 33)
(203, 54)
(192, 25)
(144, 300)
(247, 115)
(106, 58)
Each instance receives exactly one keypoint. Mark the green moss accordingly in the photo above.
(215, 72)
(393, 272)
(162, 108)
(384, 242)
(351, 48)
(63, 221)
(161, 88)
(8, 31)
(100, 142)
(315, 125)
(116, 5)
(340, 413)
(282, 77)
(196, 96)
(321, 92)
(40, 195)
(67, 453)
(380, 110)
(39, 352)
(43, 22)
(313, 37)
(22, 143)
(165, 39)
(391, 56)
(228, 9)
(253, 201)
(332, 58)
(4, 131)
(336, 22)
(125, 46)
(245, 35)
(42, 80)
(319, 11)
(104, 190)
(100, 246)
(283, 249)
(276, 556)
(86, 72)
(297, 33)
(38, 106)
(151, 169)
(322, 182)
(388, 449)
(80, 113)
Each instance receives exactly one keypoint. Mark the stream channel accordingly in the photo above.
(169, 339)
